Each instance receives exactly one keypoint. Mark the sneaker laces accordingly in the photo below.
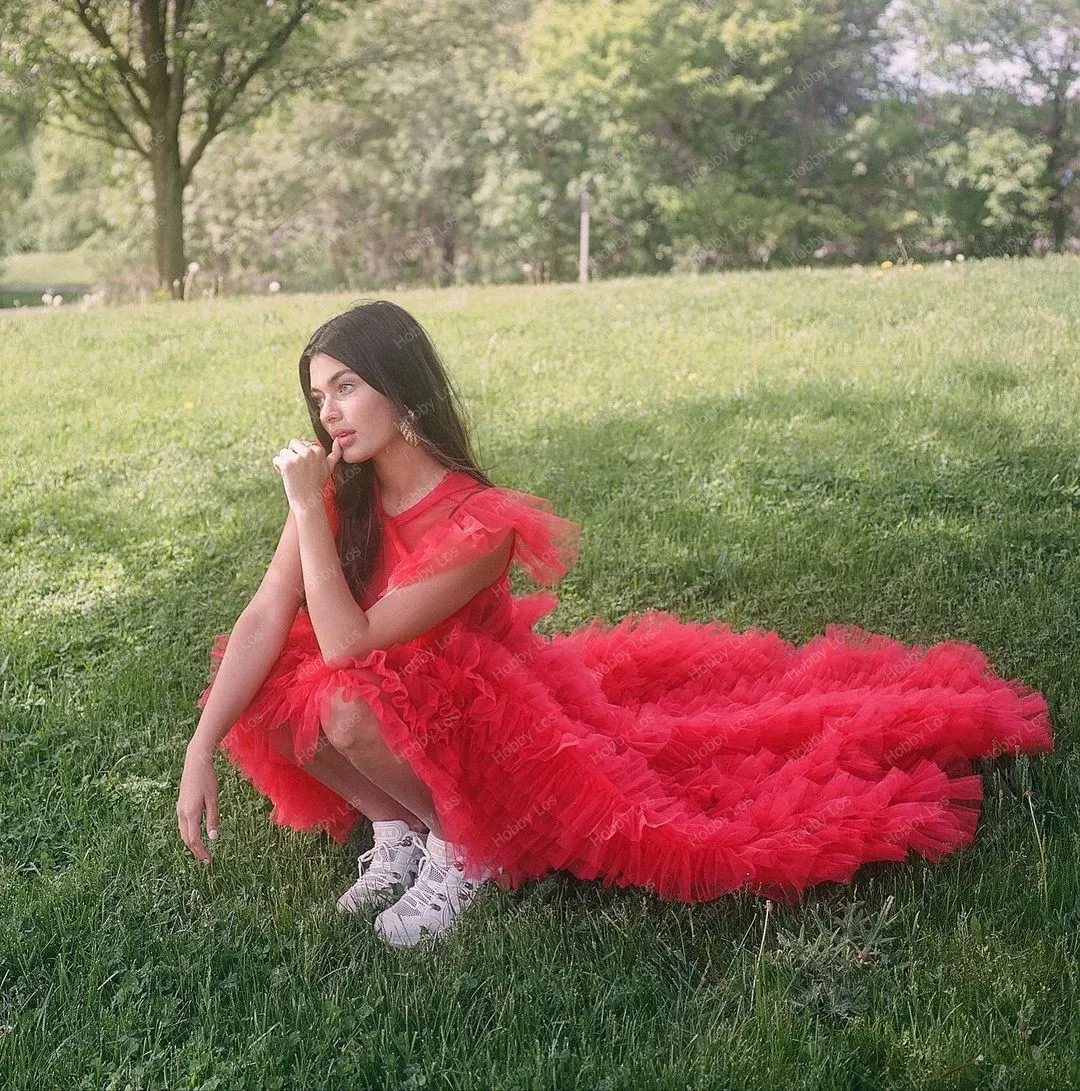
(384, 852)
(429, 890)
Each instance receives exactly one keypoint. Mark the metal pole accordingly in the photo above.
(583, 248)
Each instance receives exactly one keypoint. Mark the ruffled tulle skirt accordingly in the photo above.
(678, 756)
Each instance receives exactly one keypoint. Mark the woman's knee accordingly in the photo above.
(351, 724)
(315, 759)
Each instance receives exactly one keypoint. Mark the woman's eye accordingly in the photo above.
(341, 386)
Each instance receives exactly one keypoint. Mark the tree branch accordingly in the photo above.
(273, 47)
(152, 39)
(180, 17)
(97, 98)
(216, 111)
(97, 131)
(117, 59)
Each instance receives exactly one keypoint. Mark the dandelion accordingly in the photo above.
(57, 300)
(947, 263)
(46, 298)
(877, 274)
(917, 266)
(273, 287)
(886, 264)
(193, 267)
(959, 258)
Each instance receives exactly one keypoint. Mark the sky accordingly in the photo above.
(909, 62)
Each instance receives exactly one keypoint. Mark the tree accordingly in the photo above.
(370, 179)
(162, 79)
(995, 178)
(17, 125)
(696, 128)
(1031, 47)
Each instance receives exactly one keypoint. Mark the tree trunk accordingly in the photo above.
(449, 247)
(169, 216)
(1059, 209)
(806, 132)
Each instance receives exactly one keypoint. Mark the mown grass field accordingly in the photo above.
(24, 278)
(778, 450)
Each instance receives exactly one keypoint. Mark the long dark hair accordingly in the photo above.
(392, 352)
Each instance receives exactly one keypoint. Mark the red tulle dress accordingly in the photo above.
(675, 755)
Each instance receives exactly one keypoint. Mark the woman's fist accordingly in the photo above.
(305, 467)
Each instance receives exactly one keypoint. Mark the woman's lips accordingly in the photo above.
(346, 438)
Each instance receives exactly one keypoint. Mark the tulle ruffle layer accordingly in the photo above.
(545, 544)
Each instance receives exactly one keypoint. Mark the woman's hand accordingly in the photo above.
(305, 467)
(198, 794)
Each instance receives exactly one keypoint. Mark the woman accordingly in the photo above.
(384, 669)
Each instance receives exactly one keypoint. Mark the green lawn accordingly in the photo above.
(49, 267)
(780, 450)
(24, 278)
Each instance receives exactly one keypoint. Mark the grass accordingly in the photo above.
(25, 277)
(50, 266)
(780, 450)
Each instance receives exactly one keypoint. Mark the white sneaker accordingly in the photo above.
(393, 862)
(428, 908)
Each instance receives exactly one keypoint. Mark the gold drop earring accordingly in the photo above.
(407, 430)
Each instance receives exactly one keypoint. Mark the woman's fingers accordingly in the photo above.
(212, 816)
(198, 796)
(189, 834)
(334, 457)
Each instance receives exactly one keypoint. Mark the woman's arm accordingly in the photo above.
(255, 643)
(337, 618)
(345, 630)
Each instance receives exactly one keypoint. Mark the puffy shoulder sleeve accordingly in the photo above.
(545, 544)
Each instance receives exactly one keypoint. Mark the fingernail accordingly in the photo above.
(212, 834)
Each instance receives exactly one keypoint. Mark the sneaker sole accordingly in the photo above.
(376, 901)
(401, 943)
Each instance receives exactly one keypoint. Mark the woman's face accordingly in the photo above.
(348, 405)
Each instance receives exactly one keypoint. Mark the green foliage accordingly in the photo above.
(999, 198)
(367, 179)
(67, 204)
(683, 121)
(451, 142)
(161, 82)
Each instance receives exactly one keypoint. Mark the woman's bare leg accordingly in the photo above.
(340, 775)
(353, 730)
